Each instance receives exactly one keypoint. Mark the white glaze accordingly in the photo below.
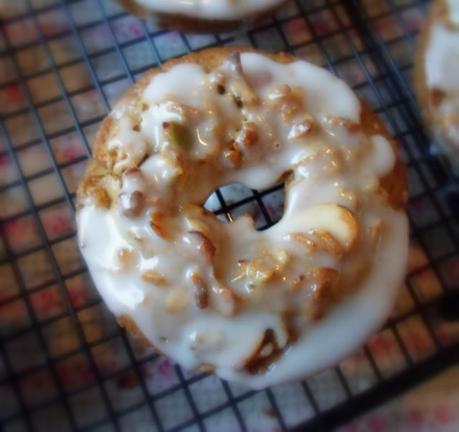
(453, 8)
(442, 73)
(194, 336)
(214, 9)
(442, 58)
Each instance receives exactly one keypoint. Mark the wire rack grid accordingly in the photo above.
(64, 364)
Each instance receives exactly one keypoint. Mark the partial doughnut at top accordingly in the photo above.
(437, 75)
(203, 15)
(260, 307)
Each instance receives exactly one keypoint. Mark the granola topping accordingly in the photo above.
(206, 292)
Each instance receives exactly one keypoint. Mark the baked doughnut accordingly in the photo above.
(202, 16)
(437, 75)
(260, 307)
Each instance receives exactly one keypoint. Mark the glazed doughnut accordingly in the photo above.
(202, 16)
(260, 307)
(437, 76)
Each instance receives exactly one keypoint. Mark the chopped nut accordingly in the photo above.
(292, 104)
(288, 321)
(318, 240)
(302, 127)
(239, 88)
(158, 223)
(190, 209)
(248, 136)
(127, 150)
(233, 156)
(178, 135)
(101, 197)
(348, 124)
(176, 301)
(263, 268)
(338, 221)
(125, 258)
(327, 242)
(202, 243)
(261, 271)
(280, 92)
(324, 292)
(194, 224)
(134, 171)
(328, 162)
(226, 301)
(201, 291)
(288, 100)
(112, 156)
(154, 278)
(282, 257)
(131, 204)
(101, 188)
(304, 239)
(135, 109)
(264, 355)
(98, 170)
(331, 160)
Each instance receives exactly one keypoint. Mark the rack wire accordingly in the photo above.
(64, 364)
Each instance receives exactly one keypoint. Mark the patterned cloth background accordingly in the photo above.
(60, 67)
(430, 407)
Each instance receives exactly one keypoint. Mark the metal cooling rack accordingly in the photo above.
(64, 364)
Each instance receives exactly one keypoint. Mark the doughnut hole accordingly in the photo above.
(235, 200)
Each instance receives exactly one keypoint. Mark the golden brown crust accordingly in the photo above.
(190, 24)
(131, 327)
(393, 185)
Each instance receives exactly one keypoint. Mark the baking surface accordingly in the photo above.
(64, 364)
